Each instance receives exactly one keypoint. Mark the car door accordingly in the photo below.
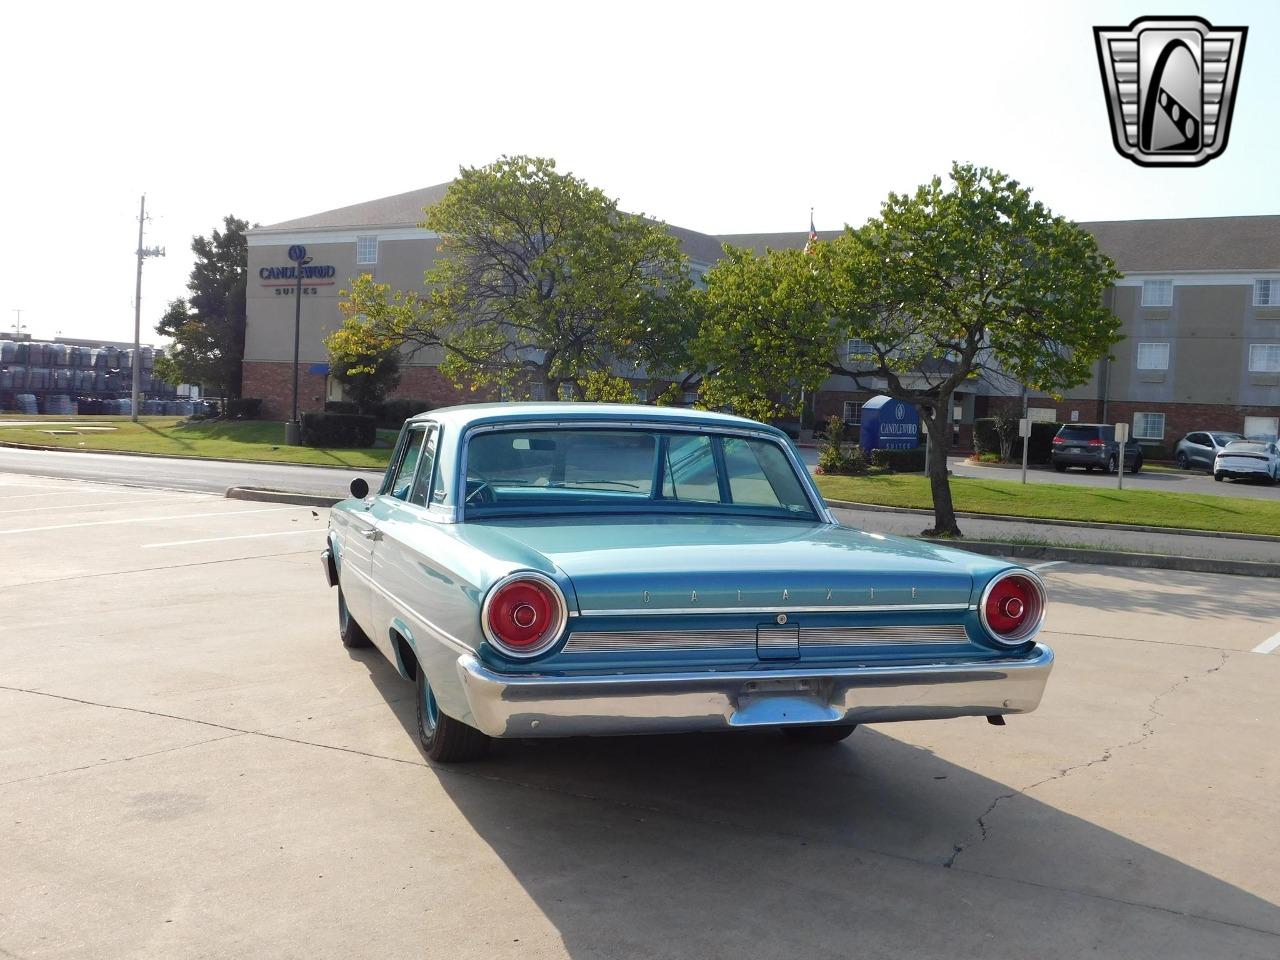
(1200, 449)
(397, 509)
(356, 534)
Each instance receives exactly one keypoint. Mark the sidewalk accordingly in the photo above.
(1129, 541)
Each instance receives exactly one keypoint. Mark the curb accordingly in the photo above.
(1112, 558)
(1078, 524)
(281, 496)
(182, 456)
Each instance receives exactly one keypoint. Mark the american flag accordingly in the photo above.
(811, 245)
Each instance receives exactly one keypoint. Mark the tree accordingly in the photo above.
(367, 379)
(542, 281)
(208, 327)
(949, 284)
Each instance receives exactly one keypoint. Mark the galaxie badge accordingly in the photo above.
(1170, 84)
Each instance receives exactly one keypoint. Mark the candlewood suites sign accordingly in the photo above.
(284, 280)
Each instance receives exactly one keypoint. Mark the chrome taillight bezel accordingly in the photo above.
(1027, 632)
(551, 635)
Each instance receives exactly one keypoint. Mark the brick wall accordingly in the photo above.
(273, 382)
(1181, 418)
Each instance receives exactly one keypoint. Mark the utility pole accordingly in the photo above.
(17, 326)
(143, 253)
(293, 429)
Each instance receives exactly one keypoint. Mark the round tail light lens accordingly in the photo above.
(1012, 607)
(523, 614)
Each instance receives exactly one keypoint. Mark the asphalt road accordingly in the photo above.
(191, 765)
(206, 476)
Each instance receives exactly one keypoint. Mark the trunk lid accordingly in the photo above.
(699, 564)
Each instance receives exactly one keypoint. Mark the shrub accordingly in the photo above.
(837, 457)
(899, 461)
(986, 439)
(391, 414)
(244, 408)
(341, 406)
(338, 430)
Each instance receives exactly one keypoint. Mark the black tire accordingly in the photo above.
(1218, 477)
(821, 733)
(1137, 465)
(1088, 469)
(444, 739)
(352, 636)
(1184, 462)
(1060, 467)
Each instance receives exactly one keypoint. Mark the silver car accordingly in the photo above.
(1248, 460)
(1200, 447)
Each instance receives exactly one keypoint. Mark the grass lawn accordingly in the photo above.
(233, 440)
(1052, 501)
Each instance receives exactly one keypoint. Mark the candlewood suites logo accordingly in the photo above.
(1170, 84)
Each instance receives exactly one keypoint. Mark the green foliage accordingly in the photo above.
(600, 386)
(899, 461)
(837, 457)
(368, 377)
(244, 408)
(986, 439)
(338, 430)
(542, 280)
(208, 327)
(973, 279)
(672, 396)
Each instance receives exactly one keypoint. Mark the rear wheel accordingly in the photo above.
(1060, 467)
(1218, 477)
(1184, 462)
(1137, 464)
(444, 739)
(352, 636)
(821, 733)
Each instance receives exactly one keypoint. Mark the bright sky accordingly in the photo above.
(723, 117)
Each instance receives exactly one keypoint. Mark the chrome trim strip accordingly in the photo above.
(634, 641)
(576, 705)
(868, 608)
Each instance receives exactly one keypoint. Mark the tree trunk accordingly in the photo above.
(944, 512)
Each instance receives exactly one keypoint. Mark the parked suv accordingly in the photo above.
(1199, 448)
(1094, 447)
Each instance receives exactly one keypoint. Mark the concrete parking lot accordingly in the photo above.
(191, 765)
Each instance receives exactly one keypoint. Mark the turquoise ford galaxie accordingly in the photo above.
(554, 570)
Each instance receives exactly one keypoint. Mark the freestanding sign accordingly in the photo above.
(889, 424)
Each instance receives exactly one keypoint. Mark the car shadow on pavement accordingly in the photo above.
(748, 844)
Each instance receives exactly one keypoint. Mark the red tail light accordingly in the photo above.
(1012, 607)
(1095, 442)
(523, 614)
(1058, 439)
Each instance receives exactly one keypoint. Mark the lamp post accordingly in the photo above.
(143, 253)
(293, 429)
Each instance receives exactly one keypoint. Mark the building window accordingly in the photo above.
(1157, 293)
(1148, 426)
(690, 397)
(1267, 427)
(1042, 414)
(852, 411)
(1153, 356)
(537, 390)
(1266, 293)
(565, 391)
(1264, 358)
(366, 249)
(640, 392)
(858, 350)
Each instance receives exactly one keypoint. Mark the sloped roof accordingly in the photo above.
(400, 210)
(759, 242)
(1191, 243)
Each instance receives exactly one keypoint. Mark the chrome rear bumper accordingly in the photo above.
(507, 705)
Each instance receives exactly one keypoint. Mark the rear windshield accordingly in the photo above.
(532, 470)
(1078, 433)
(1243, 446)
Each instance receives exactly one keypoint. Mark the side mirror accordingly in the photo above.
(359, 488)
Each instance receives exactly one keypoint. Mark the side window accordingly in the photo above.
(421, 492)
(761, 475)
(408, 463)
(689, 470)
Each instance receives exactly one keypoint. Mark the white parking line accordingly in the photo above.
(1042, 566)
(180, 516)
(243, 536)
(1266, 646)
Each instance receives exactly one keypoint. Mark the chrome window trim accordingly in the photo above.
(822, 513)
(553, 635)
(1030, 633)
